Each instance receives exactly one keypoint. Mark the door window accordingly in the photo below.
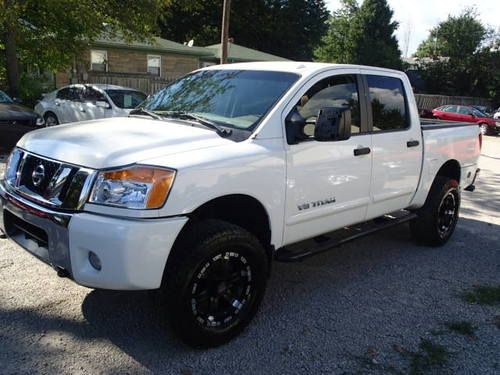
(388, 103)
(92, 95)
(75, 93)
(63, 94)
(464, 111)
(338, 91)
(451, 109)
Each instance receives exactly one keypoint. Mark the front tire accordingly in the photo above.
(483, 128)
(438, 217)
(51, 119)
(214, 282)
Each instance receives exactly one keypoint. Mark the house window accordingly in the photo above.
(154, 65)
(98, 60)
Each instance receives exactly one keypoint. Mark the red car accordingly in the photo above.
(467, 114)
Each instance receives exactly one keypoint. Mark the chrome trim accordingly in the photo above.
(77, 192)
(87, 187)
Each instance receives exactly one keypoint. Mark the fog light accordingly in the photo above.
(94, 261)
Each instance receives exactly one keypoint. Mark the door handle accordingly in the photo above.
(362, 151)
(412, 143)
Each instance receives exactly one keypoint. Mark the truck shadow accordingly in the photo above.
(375, 291)
(372, 285)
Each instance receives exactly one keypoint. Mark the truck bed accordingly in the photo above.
(430, 124)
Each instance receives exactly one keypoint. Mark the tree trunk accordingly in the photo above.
(12, 65)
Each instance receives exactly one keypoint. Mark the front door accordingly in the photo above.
(397, 145)
(327, 184)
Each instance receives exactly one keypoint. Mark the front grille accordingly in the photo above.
(49, 182)
(30, 164)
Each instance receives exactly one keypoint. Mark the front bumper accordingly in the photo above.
(133, 253)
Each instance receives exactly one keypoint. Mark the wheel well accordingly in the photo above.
(49, 113)
(450, 169)
(242, 210)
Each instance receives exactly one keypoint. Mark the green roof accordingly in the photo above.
(157, 45)
(239, 53)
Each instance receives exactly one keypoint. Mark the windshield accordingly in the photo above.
(126, 98)
(4, 98)
(237, 98)
(478, 113)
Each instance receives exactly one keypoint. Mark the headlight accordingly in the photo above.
(136, 187)
(40, 121)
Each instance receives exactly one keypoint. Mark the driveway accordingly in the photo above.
(375, 306)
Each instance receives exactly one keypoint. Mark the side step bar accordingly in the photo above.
(317, 245)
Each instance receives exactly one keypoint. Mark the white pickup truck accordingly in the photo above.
(224, 171)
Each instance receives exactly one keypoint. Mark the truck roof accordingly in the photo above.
(299, 67)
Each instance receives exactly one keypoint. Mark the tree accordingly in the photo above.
(463, 58)
(49, 34)
(456, 38)
(288, 28)
(337, 45)
(364, 35)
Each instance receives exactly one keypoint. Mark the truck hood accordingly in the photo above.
(118, 141)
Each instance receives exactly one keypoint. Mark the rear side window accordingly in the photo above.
(388, 102)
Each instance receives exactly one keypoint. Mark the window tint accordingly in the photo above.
(126, 98)
(336, 91)
(63, 93)
(452, 109)
(92, 95)
(388, 103)
(464, 111)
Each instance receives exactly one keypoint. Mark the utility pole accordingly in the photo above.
(226, 11)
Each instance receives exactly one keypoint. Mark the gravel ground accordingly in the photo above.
(363, 308)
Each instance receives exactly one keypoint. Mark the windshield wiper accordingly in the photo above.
(142, 111)
(182, 115)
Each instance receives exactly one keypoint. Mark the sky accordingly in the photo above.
(416, 18)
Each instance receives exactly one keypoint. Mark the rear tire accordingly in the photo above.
(214, 282)
(438, 217)
(51, 119)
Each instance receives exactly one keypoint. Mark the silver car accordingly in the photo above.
(87, 102)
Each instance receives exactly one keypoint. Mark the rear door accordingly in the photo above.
(396, 143)
(465, 114)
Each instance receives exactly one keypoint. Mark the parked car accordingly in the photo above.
(88, 102)
(230, 168)
(487, 125)
(15, 121)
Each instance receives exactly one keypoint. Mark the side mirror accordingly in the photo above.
(294, 125)
(102, 104)
(17, 100)
(333, 124)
